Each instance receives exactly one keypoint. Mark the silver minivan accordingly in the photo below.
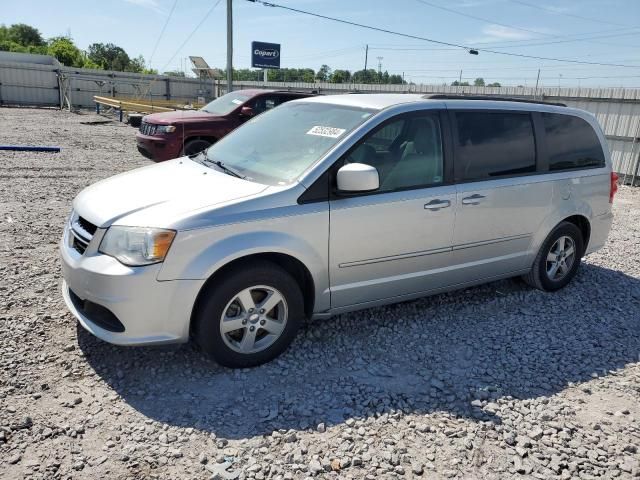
(333, 204)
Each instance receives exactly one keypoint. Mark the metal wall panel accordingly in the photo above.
(617, 109)
(36, 85)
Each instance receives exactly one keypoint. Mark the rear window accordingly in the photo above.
(494, 144)
(571, 142)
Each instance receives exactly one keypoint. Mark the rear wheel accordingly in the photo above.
(195, 146)
(558, 259)
(250, 316)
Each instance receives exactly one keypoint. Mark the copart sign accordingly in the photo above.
(265, 55)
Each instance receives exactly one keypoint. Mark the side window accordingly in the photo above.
(494, 144)
(264, 103)
(406, 152)
(571, 142)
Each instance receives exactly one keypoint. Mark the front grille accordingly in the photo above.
(101, 316)
(82, 232)
(87, 225)
(147, 128)
(79, 246)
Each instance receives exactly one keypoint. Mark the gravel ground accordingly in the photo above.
(499, 381)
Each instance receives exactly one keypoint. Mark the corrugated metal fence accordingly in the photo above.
(617, 109)
(51, 85)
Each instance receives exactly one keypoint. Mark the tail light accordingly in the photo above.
(614, 186)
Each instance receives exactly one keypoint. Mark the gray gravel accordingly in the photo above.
(498, 381)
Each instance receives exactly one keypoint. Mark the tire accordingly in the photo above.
(195, 146)
(542, 275)
(274, 330)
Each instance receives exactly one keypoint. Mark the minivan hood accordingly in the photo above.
(157, 195)
(165, 118)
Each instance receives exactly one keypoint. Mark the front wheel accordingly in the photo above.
(250, 316)
(558, 259)
(195, 146)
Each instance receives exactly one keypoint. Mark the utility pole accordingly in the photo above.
(460, 78)
(380, 69)
(366, 56)
(535, 93)
(229, 46)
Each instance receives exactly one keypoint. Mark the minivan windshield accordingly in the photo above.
(226, 103)
(277, 146)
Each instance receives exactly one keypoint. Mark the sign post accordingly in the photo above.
(265, 55)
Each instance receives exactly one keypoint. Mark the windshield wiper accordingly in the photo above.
(224, 168)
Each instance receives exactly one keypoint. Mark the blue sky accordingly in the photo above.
(587, 30)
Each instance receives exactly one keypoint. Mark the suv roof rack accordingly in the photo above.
(301, 92)
(497, 98)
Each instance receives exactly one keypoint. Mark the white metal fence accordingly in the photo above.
(617, 109)
(51, 85)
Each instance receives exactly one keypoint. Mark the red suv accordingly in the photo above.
(168, 135)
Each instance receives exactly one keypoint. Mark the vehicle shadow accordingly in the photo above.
(434, 354)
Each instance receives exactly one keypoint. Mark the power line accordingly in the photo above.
(431, 40)
(192, 33)
(456, 12)
(565, 14)
(164, 27)
(524, 42)
(183, 44)
(535, 44)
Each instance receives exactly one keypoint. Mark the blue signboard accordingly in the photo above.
(265, 55)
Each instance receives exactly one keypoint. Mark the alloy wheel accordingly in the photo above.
(254, 319)
(560, 258)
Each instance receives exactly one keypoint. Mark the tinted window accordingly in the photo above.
(406, 152)
(494, 144)
(264, 103)
(571, 142)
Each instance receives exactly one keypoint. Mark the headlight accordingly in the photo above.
(165, 128)
(136, 246)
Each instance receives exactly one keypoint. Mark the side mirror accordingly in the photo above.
(246, 111)
(358, 177)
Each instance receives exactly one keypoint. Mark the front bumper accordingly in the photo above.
(158, 148)
(146, 311)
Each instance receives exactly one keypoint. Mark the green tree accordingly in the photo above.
(109, 57)
(66, 52)
(25, 35)
(175, 73)
(459, 84)
(139, 65)
(308, 75)
(324, 74)
(494, 84)
(365, 76)
(9, 46)
(341, 76)
(478, 82)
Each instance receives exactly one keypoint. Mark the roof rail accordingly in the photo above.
(289, 90)
(497, 98)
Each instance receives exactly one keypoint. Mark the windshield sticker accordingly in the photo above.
(237, 101)
(331, 132)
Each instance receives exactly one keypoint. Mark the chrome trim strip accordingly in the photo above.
(395, 257)
(489, 242)
(80, 232)
(434, 251)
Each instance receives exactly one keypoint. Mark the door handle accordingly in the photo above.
(437, 204)
(473, 199)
